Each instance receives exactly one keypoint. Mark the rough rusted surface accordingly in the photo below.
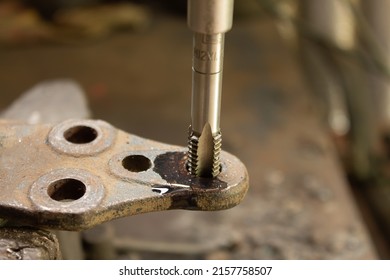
(78, 174)
(28, 244)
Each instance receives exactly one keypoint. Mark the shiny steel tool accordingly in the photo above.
(210, 20)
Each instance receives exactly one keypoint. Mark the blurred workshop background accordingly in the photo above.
(305, 105)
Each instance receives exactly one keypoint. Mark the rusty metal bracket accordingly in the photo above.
(80, 173)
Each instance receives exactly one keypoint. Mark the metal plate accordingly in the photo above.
(81, 173)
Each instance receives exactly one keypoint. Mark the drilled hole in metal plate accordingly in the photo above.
(136, 163)
(66, 190)
(80, 134)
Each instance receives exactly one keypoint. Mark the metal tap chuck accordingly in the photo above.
(209, 20)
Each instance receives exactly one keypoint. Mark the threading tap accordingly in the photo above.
(209, 20)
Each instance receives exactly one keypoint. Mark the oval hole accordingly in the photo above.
(66, 190)
(136, 163)
(80, 134)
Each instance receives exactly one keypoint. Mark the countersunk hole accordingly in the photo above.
(136, 163)
(80, 134)
(66, 190)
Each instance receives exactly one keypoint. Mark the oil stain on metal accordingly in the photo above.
(181, 185)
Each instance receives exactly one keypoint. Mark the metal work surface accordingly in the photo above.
(298, 206)
(28, 244)
(81, 173)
